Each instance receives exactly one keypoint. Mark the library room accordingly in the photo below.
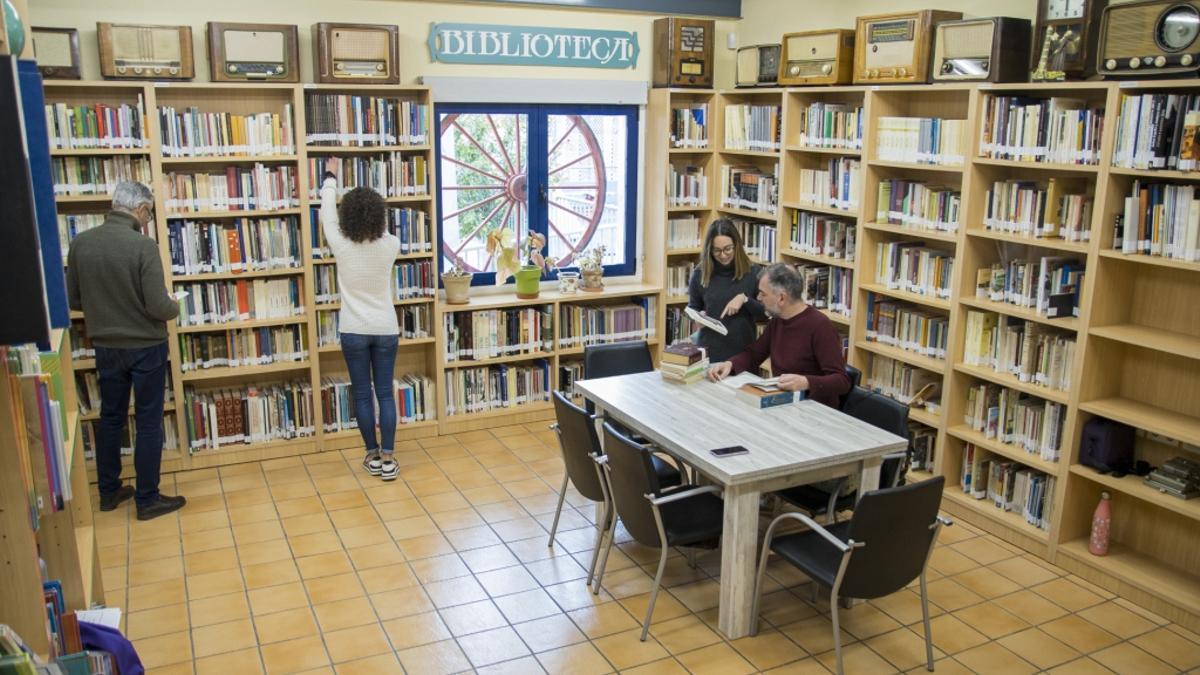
(592, 336)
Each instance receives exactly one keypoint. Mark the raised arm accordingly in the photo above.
(329, 211)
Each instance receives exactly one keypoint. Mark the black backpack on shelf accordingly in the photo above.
(1107, 446)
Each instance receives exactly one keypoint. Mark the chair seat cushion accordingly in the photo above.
(815, 500)
(693, 522)
(812, 554)
(668, 475)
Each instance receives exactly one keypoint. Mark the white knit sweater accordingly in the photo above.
(364, 273)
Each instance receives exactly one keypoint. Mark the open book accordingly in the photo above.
(706, 321)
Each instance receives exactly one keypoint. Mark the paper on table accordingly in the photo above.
(105, 616)
(706, 320)
(735, 381)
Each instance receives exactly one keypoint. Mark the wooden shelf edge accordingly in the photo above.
(989, 510)
(1134, 487)
(1012, 382)
(1068, 323)
(85, 550)
(515, 358)
(1166, 341)
(912, 358)
(1147, 574)
(915, 298)
(1151, 260)
(937, 235)
(1144, 416)
(964, 433)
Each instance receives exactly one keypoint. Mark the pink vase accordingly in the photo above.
(1101, 522)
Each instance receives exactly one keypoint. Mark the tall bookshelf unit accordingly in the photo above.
(1136, 356)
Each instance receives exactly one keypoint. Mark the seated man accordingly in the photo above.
(804, 347)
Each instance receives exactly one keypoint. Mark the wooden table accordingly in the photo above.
(789, 445)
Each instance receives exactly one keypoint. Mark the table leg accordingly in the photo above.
(870, 474)
(739, 548)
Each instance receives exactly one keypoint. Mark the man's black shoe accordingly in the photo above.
(111, 502)
(161, 506)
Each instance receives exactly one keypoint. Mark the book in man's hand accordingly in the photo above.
(706, 321)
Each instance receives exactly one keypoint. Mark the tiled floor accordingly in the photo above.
(310, 565)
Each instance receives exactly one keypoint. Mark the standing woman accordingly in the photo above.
(369, 332)
(725, 287)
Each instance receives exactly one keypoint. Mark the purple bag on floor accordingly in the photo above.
(105, 639)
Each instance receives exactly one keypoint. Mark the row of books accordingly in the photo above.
(391, 174)
(237, 245)
(413, 280)
(686, 186)
(582, 325)
(409, 225)
(569, 372)
(689, 126)
(38, 415)
(97, 175)
(837, 186)
(913, 267)
(192, 133)
(1056, 130)
(1010, 486)
(819, 234)
(81, 344)
(1158, 131)
(258, 188)
(128, 438)
(923, 442)
(921, 140)
(415, 323)
(210, 303)
(1159, 219)
(1060, 209)
(680, 326)
(1027, 350)
(492, 333)
(679, 276)
(243, 347)
(412, 394)
(248, 414)
(758, 238)
(831, 125)
(71, 225)
(346, 119)
(1050, 285)
(752, 127)
(684, 232)
(749, 187)
(828, 288)
(900, 324)
(1015, 418)
(495, 387)
(918, 205)
(906, 383)
(98, 125)
(325, 286)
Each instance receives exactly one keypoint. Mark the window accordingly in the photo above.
(568, 172)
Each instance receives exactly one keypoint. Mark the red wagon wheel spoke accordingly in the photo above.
(478, 146)
(571, 163)
(496, 133)
(472, 168)
(483, 223)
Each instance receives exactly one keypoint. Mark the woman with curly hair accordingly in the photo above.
(356, 233)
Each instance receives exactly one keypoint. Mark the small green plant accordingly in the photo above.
(501, 244)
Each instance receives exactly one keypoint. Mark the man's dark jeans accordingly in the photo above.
(145, 369)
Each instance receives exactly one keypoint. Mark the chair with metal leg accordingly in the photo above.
(686, 515)
(880, 550)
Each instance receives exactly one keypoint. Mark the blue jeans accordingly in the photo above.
(372, 359)
(145, 369)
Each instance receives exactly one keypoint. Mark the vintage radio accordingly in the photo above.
(1151, 38)
(896, 48)
(142, 52)
(758, 66)
(683, 52)
(817, 57)
(356, 52)
(238, 52)
(981, 50)
(57, 52)
(1071, 50)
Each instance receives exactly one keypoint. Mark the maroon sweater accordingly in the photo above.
(806, 344)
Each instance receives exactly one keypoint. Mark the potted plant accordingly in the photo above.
(591, 269)
(457, 281)
(527, 269)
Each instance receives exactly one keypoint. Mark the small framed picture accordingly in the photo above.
(57, 52)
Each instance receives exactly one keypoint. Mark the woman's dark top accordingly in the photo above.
(712, 300)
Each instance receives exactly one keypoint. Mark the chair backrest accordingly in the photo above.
(577, 437)
(619, 358)
(855, 376)
(882, 412)
(630, 478)
(896, 526)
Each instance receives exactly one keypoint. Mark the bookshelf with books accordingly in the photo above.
(748, 137)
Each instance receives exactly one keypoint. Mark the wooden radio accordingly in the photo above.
(356, 52)
(981, 50)
(896, 48)
(143, 52)
(758, 66)
(1150, 38)
(57, 52)
(683, 52)
(817, 57)
(239, 52)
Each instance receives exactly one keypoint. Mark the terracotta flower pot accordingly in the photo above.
(592, 281)
(528, 282)
(458, 289)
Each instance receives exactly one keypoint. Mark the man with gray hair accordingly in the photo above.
(804, 347)
(115, 275)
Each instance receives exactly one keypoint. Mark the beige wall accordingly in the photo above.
(412, 17)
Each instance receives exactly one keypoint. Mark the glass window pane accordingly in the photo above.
(587, 192)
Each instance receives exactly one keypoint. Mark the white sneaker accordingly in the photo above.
(388, 469)
(373, 464)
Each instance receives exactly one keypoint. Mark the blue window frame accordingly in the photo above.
(568, 172)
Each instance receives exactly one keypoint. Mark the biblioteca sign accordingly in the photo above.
(532, 46)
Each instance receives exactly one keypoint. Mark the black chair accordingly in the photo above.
(855, 376)
(618, 358)
(576, 431)
(686, 515)
(880, 550)
(874, 409)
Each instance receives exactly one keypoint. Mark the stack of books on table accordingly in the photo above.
(683, 362)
